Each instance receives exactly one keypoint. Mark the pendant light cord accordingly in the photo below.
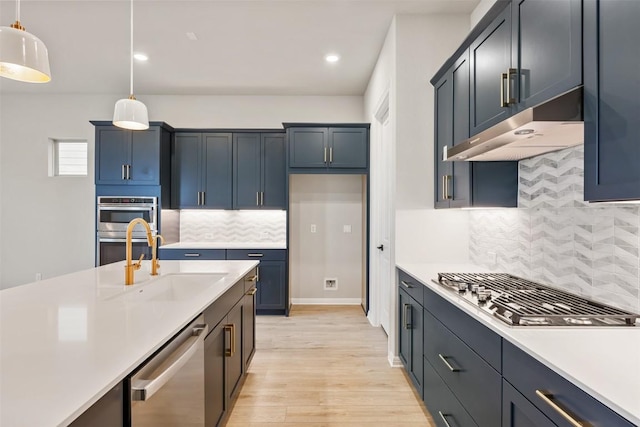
(131, 53)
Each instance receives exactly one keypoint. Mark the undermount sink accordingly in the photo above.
(169, 287)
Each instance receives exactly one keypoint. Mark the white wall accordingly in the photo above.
(47, 224)
(481, 9)
(330, 202)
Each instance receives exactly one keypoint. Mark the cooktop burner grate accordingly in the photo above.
(519, 301)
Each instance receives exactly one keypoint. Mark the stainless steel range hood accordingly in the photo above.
(552, 126)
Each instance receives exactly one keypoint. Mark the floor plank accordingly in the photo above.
(324, 366)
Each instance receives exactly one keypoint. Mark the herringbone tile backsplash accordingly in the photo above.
(556, 238)
(233, 226)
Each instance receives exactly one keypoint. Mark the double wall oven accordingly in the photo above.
(113, 216)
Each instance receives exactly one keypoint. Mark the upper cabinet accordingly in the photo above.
(530, 53)
(259, 173)
(202, 165)
(337, 148)
(465, 184)
(125, 157)
(611, 106)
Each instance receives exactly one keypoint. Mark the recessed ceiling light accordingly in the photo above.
(192, 36)
(140, 56)
(332, 58)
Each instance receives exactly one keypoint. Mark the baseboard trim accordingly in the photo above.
(326, 301)
(394, 361)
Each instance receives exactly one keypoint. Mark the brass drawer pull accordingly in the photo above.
(232, 344)
(253, 278)
(446, 362)
(252, 291)
(546, 398)
(405, 316)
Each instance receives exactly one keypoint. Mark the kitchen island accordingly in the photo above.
(66, 341)
(604, 362)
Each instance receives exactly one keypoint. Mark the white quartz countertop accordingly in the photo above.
(602, 361)
(226, 245)
(66, 341)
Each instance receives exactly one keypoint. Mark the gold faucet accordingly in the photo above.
(130, 267)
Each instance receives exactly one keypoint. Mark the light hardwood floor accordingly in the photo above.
(324, 366)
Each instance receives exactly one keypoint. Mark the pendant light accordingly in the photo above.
(130, 113)
(23, 56)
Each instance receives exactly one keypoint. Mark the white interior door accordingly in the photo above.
(382, 184)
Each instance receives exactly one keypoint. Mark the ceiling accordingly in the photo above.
(258, 47)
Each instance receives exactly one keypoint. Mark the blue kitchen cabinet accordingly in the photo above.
(465, 184)
(410, 337)
(271, 297)
(553, 395)
(202, 169)
(490, 60)
(517, 411)
(259, 173)
(191, 254)
(332, 149)
(611, 107)
(530, 53)
(546, 50)
(125, 157)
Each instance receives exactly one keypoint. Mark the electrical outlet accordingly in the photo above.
(38, 276)
(208, 236)
(313, 228)
(346, 228)
(264, 235)
(330, 284)
(493, 257)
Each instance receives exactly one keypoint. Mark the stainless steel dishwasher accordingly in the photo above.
(168, 390)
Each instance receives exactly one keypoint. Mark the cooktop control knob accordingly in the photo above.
(462, 287)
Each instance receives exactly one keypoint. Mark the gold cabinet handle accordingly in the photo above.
(405, 316)
(253, 278)
(503, 80)
(252, 291)
(446, 423)
(446, 362)
(231, 328)
(510, 72)
(546, 398)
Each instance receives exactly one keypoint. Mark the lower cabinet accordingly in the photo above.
(471, 376)
(517, 411)
(410, 337)
(106, 412)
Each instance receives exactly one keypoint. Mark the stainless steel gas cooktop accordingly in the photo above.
(520, 302)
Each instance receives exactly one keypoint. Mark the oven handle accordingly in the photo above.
(144, 389)
(126, 208)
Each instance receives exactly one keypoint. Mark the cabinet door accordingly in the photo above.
(274, 171)
(517, 411)
(234, 365)
(187, 165)
(490, 57)
(443, 129)
(217, 178)
(112, 153)
(460, 186)
(611, 93)
(248, 327)
(546, 49)
(410, 337)
(215, 346)
(246, 171)
(416, 345)
(308, 147)
(106, 412)
(145, 157)
(271, 285)
(348, 148)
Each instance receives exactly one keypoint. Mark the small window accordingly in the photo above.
(69, 158)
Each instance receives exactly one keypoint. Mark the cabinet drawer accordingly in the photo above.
(410, 285)
(477, 336)
(441, 402)
(191, 254)
(257, 254)
(528, 375)
(474, 382)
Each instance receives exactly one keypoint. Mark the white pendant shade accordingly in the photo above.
(131, 114)
(23, 56)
